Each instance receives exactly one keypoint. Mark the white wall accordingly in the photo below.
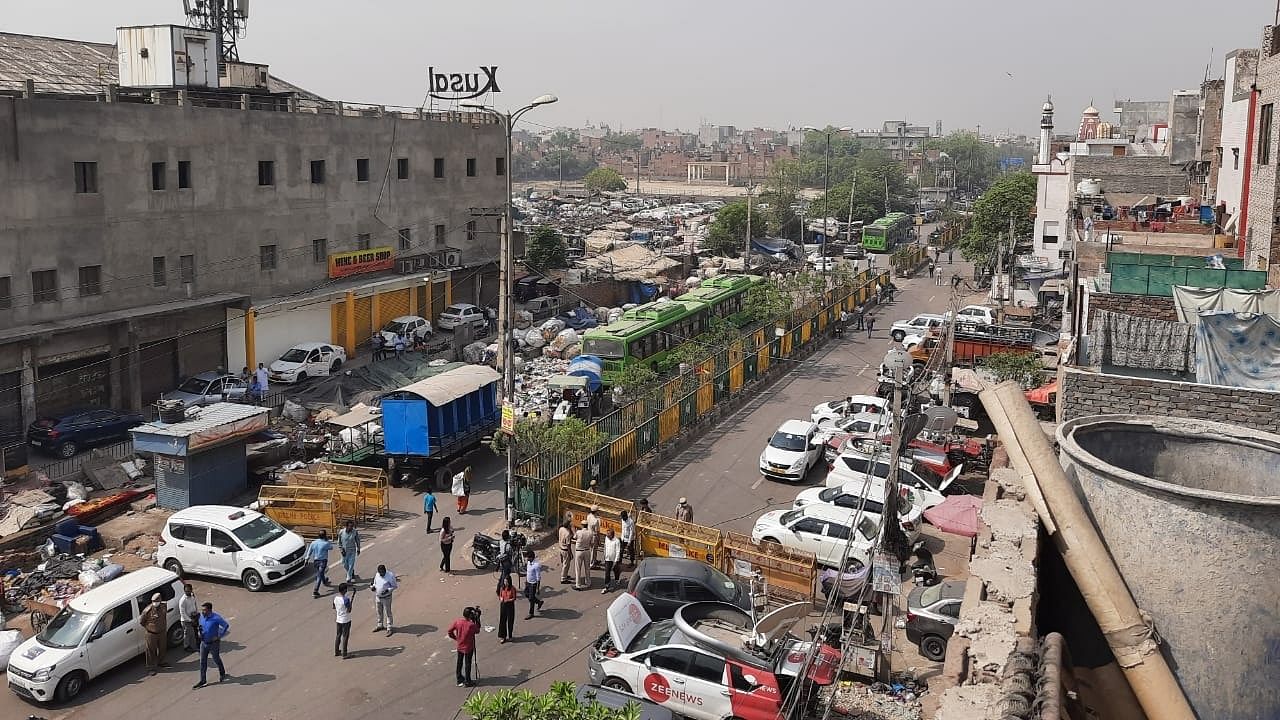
(277, 331)
(1235, 122)
(1053, 197)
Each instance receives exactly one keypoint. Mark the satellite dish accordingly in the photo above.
(940, 419)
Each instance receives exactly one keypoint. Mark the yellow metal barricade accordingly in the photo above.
(668, 423)
(571, 478)
(622, 452)
(735, 377)
(348, 494)
(762, 360)
(662, 536)
(789, 575)
(578, 502)
(706, 397)
(306, 510)
(371, 483)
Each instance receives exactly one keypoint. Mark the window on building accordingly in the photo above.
(1235, 158)
(320, 250)
(187, 269)
(438, 167)
(471, 232)
(440, 234)
(500, 166)
(157, 176)
(1264, 134)
(44, 286)
(317, 172)
(363, 241)
(184, 174)
(406, 238)
(402, 168)
(6, 292)
(159, 278)
(266, 172)
(266, 257)
(86, 177)
(362, 169)
(90, 280)
(471, 167)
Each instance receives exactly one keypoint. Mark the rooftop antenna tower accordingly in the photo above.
(227, 18)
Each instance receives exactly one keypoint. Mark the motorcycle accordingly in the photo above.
(485, 551)
(923, 571)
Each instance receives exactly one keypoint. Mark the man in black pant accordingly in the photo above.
(342, 613)
(463, 633)
(532, 582)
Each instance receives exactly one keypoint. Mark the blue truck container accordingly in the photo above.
(428, 423)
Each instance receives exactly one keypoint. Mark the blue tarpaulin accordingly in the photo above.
(1238, 350)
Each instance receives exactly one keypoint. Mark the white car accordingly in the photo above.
(230, 542)
(851, 496)
(459, 314)
(917, 325)
(307, 360)
(824, 530)
(853, 467)
(863, 426)
(852, 405)
(975, 315)
(792, 451)
(413, 327)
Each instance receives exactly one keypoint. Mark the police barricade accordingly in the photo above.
(788, 575)
(375, 486)
(305, 510)
(348, 498)
(662, 536)
(577, 503)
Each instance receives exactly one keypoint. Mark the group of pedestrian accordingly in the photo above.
(202, 631)
(383, 346)
(257, 382)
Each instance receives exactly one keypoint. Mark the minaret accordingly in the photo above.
(1046, 130)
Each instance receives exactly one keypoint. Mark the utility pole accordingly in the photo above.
(886, 192)
(853, 185)
(746, 259)
(891, 536)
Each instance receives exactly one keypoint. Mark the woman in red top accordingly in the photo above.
(506, 609)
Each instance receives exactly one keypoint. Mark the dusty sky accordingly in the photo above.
(675, 63)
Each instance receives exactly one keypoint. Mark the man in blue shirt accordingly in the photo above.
(318, 554)
(212, 629)
(429, 508)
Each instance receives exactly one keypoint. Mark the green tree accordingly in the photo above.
(558, 703)
(545, 250)
(728, 232)
(603, 180)
(780, 195)
(1024, 367)
(969, 164)
(629, 141)
(720, 334)
(570, 437)
(634, 378)
(775, 299)
(1012, 197)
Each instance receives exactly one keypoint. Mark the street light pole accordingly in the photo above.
(506, 309)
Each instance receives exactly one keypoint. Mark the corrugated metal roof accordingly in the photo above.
(210, 417)
(448, 386)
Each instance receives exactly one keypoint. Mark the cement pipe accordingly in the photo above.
(1100, 582)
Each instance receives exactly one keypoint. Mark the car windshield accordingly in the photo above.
(603, 348)
(830, 494)
(258, 532)
(720, 584)
(66, 629)
(195, 386)
(787, 441)
(394, 327)
(788, 517)
(931, 595)
(861, 426)
(296, 355)
(452, 310)
(657, 633)
(865, 408)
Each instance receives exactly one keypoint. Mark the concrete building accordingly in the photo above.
(713, 135)
(1241, 65)
(900, 138)
(1208, 140)
(1052, 239)
(1262, 234)
(138, 226)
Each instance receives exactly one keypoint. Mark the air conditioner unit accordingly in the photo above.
(451, 258)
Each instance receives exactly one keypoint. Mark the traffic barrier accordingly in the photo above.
(372, 483)
(576, 503)
(789, 575)
(306, 510)
(348, 497)
(662, 536)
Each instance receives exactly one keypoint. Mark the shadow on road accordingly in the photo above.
(376, 652)
(416, 630)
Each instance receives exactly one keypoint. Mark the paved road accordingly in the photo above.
(279, 651)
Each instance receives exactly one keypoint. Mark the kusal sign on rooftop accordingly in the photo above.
(462, 86)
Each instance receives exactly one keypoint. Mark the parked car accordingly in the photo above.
(863, 426)
(792, 451)
(918, 325)
(207, 388)
(230, 542)
(579, 319)
(306, 360)
(851, 496)
(543, 307)
(852, 405)
(975, 315)
(664, 584)
(94, 632)
(854, 252)
(824, 530)
(932, 614)
(413, 327)
(65, 434)
(459, 314)
(853, 466)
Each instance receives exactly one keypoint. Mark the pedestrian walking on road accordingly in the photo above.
(583, 541)
(593, 524)
(155, 620)
(684, 512)
(189, 611)
(462, 489)
(463, 634)
(564, 539)
(628, 536)
(871, 325)
(349, 546)
(955, 281)
(446, 544)
(342, 614)
(212, 629)
(375, 343)
(612, 560)
(506, 610)
(950, 252)
(532, 581)
(384, 586)
(318, 554)
(429, 508)
(506, 557)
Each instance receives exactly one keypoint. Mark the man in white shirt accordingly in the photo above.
(384, 584)
(612, 560)
(342, 613)
(629, 536)
(262, 376)
(188, 612)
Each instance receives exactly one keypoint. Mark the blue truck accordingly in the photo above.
(430, 422)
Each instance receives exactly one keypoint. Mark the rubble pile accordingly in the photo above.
(874, 702)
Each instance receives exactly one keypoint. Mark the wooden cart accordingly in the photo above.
(41, 613)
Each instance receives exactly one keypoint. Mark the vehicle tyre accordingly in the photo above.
(70, 686)
(334, 367)
(479, 561)
(770, 540)
(252, 580)
(67, 449)
(898, 335)
(173, 566)
(933, 647)
(301, 377)
(617, 684)
(175, 635)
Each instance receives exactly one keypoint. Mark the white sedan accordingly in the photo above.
(827, 531)
(864, 425)
(306, 360)
(852, 405)
(851, 496)
(792, 451)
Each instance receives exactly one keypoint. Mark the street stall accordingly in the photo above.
(201, 460)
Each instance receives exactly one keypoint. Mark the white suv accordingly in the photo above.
(230, 542)
(918, 325)
(792, 451)
(975, 315)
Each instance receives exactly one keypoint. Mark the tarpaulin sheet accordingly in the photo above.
(1191, 301)
(1129, 341)
(1238, 350)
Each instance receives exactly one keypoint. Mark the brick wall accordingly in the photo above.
(1263, 239)
(1133, 174)
(1087, 393)
(1152, 308)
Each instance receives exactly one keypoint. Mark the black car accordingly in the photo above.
(67, 433)
(664, 584)
(932, 613)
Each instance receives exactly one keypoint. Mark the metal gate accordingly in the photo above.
(391, 305)
(75, 383)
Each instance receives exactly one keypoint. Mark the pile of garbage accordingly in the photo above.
(878, 701)
(62, 577)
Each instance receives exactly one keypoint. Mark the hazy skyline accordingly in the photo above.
(674, 64)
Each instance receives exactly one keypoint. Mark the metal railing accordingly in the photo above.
(70, 467)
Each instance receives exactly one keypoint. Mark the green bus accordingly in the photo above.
(725, 296)
(888, 232)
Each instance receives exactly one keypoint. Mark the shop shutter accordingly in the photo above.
(392, 305)
(364, 319)
(83, 382)
(158, 368)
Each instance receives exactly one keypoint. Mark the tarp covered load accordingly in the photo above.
(1129, 341)
(632, 262)
(368, 383)
(1238, 350)
(1190, 302)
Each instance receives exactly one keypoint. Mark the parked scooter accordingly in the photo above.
(485, 550)
(923, 571)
